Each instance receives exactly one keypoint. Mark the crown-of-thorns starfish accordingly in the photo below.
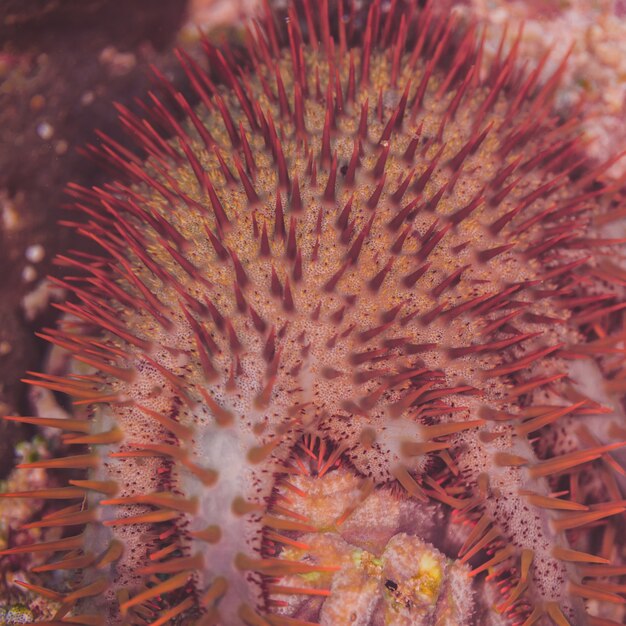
(360, 248)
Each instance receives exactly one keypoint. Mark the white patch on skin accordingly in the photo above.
(226, 450)
(589, 380)
(398, 431)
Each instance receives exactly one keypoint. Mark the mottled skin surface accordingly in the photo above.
(393, 267)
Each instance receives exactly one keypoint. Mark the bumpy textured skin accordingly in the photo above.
(361, 241)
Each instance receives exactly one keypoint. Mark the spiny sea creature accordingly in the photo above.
(359, 248)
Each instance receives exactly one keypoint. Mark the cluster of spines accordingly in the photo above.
(116, 231)
(312, 457)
